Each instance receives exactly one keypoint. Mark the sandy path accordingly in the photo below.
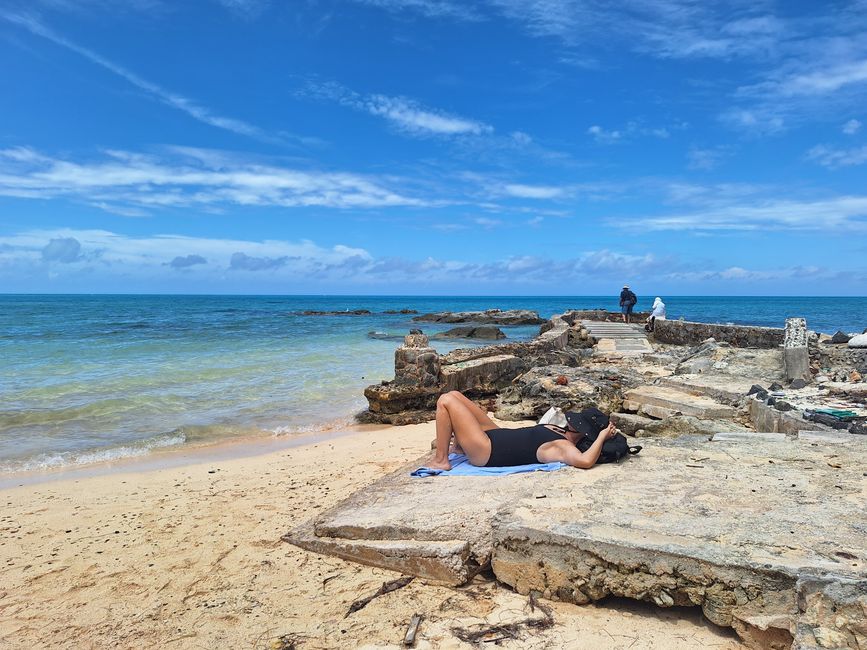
(191, 557)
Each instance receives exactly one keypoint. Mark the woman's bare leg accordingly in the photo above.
(454, 416)
(481, 417)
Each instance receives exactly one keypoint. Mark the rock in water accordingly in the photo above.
(489, 317)
(840, 337)
(859, 341)
(487, 332)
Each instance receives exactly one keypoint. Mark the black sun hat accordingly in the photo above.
(590, 421)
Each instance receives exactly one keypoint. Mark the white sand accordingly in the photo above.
(190, 557)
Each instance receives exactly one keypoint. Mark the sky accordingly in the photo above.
(495, 147)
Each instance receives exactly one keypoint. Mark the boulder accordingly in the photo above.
(486, 332)
(797, 383)
(840, 337)
(858, 341)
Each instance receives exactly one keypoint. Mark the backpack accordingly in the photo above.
(591, 421)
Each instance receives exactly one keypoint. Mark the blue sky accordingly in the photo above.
(433, 146)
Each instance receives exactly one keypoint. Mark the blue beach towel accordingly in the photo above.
(461, 466)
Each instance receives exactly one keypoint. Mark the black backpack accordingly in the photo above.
(591, 421)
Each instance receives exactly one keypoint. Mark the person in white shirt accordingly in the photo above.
(658, 312)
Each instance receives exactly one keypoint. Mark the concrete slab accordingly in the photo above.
(438, 528)
(722, 388)
(832, 437)
(748, 436)
(661, 401)
(740, 530)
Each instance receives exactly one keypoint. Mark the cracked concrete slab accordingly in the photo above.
(734, 527)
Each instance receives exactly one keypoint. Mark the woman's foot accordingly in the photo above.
(440, 464)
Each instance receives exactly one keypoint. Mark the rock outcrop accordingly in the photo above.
(483, 332)
(488, 317)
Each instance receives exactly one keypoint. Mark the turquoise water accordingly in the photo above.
(92, 378)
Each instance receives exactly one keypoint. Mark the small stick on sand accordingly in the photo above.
(386, 587)
(412, 630)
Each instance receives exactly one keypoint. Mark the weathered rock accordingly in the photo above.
(416, 363)
(782, 405)
(797, 384)
(855, 376)
(481, 376)
(683, 425)
(775, 386)
(490, 316)
(680, 332)
(859, 341)
(660, 402)
(534, 392)
(488, 332)
(631, 423)
(840, 337)
(400, 311)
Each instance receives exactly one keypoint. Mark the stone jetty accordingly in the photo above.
(747, 501)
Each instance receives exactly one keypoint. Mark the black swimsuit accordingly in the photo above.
(518, 446)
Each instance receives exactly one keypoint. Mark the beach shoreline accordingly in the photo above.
(190, 556)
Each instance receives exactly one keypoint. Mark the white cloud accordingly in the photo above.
(522, 191)
(706, 159)
(822, 81)
(834, 158)
(631, 129)
(187, 177)
(179, 102)
(715, 211)
(851, 127)
(486, 222)
(406, 114)
(757, 120)
(411, 116)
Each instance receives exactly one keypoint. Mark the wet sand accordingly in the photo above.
(187, 554)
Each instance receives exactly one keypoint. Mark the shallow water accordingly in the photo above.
(91, 378)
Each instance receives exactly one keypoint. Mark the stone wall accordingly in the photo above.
(680, 332)
(603, 315)
(838, 359)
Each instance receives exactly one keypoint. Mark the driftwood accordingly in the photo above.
(412, 630)
(497, 633)
(387, 587)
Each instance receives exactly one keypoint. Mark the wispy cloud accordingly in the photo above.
(662, 28)
(428, 8)
(632, 129)
(719, 211)
(706, 159)
(188, 177)
(408, 115)
(174, 100)
(851, 127)
(835, 158)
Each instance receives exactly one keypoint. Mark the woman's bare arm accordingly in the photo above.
(569, 454)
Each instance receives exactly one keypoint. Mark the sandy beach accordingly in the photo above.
(190, 557)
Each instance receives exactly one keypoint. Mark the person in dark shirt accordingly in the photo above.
(487, 445)
(627, 302)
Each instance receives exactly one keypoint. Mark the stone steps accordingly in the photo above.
(661, 402)
(618, 339)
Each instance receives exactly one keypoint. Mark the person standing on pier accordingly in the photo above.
(627, 302)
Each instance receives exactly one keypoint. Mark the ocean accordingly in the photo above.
(90, 378)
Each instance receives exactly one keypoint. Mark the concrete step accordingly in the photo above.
(726, 389)
(660, 402)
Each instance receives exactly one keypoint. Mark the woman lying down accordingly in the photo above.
(486, 445)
